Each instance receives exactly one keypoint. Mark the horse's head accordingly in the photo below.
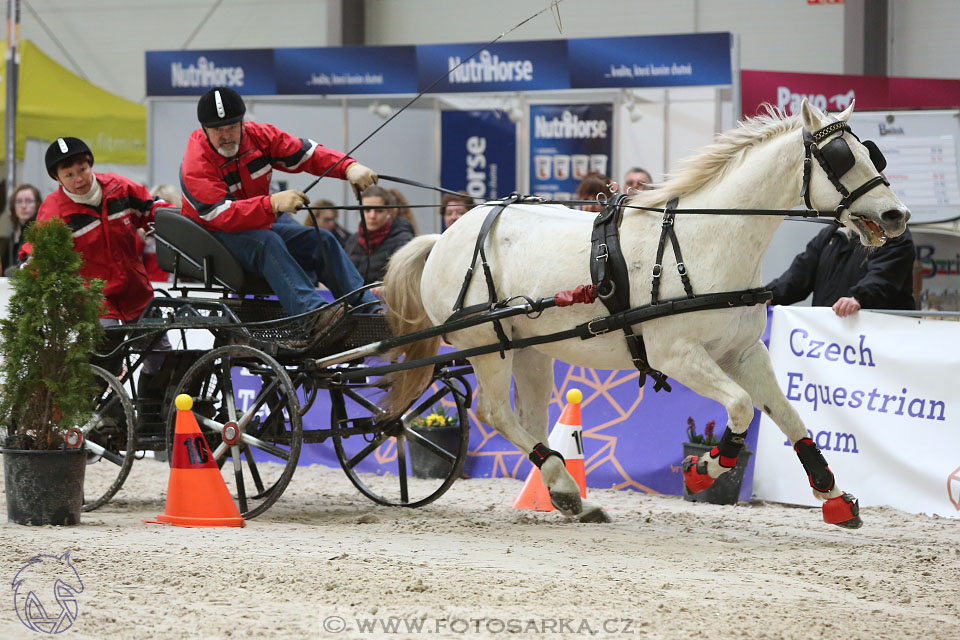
(842, 173)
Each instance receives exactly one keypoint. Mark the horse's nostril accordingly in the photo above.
(892, 216)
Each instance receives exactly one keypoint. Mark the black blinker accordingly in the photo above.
(879, 162)
(838, 155)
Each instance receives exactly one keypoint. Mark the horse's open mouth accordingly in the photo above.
(870, 229)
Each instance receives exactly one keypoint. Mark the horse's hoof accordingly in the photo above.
(843, 511)
(695, 476)
(567, 504)
(595, 515)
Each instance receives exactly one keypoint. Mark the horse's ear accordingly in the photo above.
(844, 116)
(811, 117)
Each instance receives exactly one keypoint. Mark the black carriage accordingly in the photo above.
(253, 375)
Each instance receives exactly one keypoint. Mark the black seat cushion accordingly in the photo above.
(179, 235)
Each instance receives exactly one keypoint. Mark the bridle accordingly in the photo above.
(836, 159)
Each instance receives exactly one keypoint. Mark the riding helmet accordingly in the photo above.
(62, 149)
(220, 107)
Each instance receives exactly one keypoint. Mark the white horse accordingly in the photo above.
(539, 250)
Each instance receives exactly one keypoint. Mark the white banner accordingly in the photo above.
(880, 395)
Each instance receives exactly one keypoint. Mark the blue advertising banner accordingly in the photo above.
(650, 61)
(566, 143)
(641, 61)
(186, 73)
(478, 153)
(346, 70)
(509, 66)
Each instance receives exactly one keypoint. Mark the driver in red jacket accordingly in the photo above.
(225, 180)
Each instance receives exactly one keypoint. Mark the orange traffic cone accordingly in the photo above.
(196, 494)
(567, 439)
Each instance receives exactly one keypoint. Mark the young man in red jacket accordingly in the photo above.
(225, 179)
(104, 211)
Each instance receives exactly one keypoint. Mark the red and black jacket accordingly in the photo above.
(106, 236)
(234, 194)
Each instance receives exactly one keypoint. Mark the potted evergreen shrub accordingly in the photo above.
(442, 428)
(46, 340)
(726, 488)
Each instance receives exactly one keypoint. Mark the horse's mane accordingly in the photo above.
(716, 158)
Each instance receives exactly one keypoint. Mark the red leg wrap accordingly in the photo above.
(844, 511)
(695, 478)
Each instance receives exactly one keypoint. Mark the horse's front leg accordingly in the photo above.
(688, 361)
(754, 372)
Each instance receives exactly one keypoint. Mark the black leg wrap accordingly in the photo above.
(731, 443)
(818, 473)
(541, 452)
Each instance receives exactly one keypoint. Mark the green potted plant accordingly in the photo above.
(726, 488)
(48, 388)
(442, 428)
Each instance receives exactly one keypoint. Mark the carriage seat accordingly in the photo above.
(187, 250)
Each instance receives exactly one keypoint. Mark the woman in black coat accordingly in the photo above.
(385, 234)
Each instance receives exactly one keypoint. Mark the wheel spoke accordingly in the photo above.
(262, 397)
(226, 386)
(427, 444)
(402, 469)
(367, 450)
(109, 456)
(238, 474)
(265, 446)
(415, 412)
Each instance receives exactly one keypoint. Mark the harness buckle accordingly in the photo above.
(681, 269)
(599, 332)
(657, 270)
(602, 252)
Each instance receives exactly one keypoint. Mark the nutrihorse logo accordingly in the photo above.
(45, 593)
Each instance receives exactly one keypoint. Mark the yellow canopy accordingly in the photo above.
(54, 102)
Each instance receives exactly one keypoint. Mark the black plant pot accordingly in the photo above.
(44, 487)
(425, 463)
(726, 488)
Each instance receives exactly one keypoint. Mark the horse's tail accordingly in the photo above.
(406, 314)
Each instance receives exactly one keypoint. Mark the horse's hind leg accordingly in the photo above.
(754, 372)
(493, 408)
(533, 383)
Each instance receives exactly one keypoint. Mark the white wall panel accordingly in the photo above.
(108, 38)
(924, 35)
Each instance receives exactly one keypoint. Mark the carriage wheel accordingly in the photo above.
(377, 454)
(110, 440)
(246, 390)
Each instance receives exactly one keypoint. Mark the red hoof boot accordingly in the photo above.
(695, 476)
(843, 511)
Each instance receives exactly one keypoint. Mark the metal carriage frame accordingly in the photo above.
(255, 435)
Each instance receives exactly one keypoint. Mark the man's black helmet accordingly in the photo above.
(63, 149)
(219, 107)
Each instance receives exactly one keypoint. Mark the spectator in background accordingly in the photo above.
(452, 207)
(402, 210)
(326, 219)
(23, 211)
(843, 274)
(592, 185)
(637, 179)
(385, 233)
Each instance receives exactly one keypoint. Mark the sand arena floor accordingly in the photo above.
(326, 563)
